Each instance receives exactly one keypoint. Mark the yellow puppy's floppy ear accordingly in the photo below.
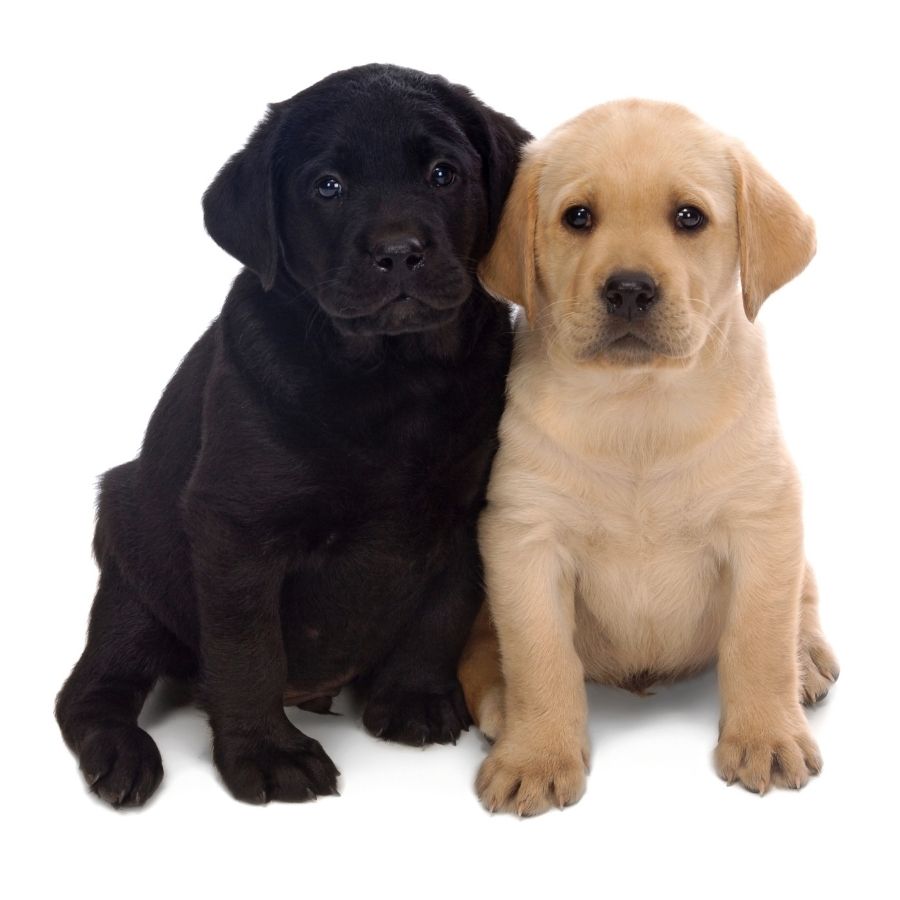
(777, 239)
(509, 270)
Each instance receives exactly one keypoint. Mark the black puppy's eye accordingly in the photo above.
(329, 187)
(688, 218)
(578, 217)
(442, 175)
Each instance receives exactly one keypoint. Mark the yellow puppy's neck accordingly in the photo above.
(647, 414)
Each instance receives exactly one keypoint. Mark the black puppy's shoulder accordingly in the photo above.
(390, 428)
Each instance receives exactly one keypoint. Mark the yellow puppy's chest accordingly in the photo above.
(650, 587)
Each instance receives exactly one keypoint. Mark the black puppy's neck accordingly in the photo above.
(447, 344)
(282, 340)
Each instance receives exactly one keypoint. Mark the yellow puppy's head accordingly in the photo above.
(627, 228)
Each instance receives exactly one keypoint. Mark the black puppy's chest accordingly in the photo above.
(413, 468)
(370, 540)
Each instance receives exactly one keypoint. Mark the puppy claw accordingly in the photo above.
(780, 754)
(529, 782)
(417, 718)
(290, 767)
(121, 765)
(819, 669)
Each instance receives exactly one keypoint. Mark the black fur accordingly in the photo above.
(302, 512)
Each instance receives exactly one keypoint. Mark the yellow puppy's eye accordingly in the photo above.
(689, 218)
(578, 217)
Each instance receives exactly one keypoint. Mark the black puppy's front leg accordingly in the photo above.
(259, 753)
(415, 697)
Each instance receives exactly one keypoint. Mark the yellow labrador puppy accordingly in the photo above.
(644, 516)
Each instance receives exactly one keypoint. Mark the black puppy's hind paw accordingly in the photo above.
(121, 765)
(416, 717)
(292, 769)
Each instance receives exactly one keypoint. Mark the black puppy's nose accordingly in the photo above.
(629, 294)
(403, 251)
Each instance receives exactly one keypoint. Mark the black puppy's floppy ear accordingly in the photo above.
(505, 140)
(239, 206)
(498, 140)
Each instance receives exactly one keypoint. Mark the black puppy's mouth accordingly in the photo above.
(405, 304)
(402, 314)
(402, 302)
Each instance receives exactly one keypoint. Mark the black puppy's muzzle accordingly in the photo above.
(629, 295)
(404, 278)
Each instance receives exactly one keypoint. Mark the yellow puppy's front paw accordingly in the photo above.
(759, 754)
(530, 780)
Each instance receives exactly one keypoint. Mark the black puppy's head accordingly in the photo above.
(376, 191)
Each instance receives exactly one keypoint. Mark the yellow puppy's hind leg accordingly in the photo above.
(482, 677)
(818, 665)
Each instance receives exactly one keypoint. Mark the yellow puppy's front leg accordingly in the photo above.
(764, 736)
(541, 756)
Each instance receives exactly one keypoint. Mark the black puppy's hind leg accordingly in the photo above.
(98, 706)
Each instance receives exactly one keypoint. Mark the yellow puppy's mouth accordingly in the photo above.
(630, 342)
(629, 350)
(654, 341)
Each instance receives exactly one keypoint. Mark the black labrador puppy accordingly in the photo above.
(302, 513)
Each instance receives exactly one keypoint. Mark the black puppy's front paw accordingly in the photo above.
(121, 765)
(417, 717)
(291, 767)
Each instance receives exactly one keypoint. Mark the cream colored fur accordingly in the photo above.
(643, 517)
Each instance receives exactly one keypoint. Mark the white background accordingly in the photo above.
(116, 118)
